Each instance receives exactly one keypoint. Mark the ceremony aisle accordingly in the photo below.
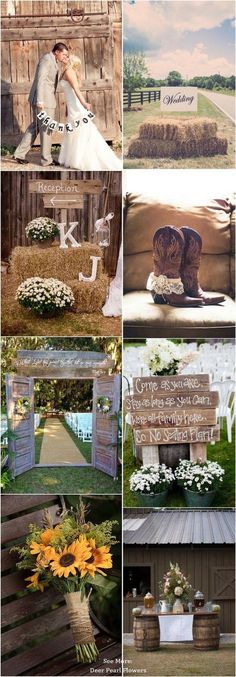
(58, 446)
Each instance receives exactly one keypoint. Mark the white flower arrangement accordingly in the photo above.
(151, 479)
(199, 476)
(165, 358)
(161, 356)
(175, 584)
(44, 295)
(42, 228)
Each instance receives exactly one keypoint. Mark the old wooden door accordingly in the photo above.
(21, 448)
(105, 426)
(32, 31)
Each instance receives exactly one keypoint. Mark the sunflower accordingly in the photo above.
(70, 559)
(47, 535)
(35, 582)
(100, 557)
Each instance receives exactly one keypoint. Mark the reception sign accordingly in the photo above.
(179, 99)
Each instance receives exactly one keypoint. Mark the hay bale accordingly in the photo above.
(89, 296)
(178, 129)
(153, 148)
(63, 264)
(157, 148)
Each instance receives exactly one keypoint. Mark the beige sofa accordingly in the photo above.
(216, 223)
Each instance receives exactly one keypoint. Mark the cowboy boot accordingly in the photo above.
(190, 267)
(165, 283)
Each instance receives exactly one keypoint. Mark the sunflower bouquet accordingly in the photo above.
(70, 557)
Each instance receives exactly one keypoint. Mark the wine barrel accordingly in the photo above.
(170, 454)
(146, 632)
(206, 631)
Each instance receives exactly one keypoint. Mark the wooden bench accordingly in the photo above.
(36, 637)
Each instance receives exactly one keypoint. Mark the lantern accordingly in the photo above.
(102, 230)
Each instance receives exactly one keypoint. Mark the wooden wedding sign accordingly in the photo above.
(64, 194)
(173, 410)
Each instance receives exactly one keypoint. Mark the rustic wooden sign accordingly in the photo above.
(65, 187)
(153, 436)
(62, 363)
(150, 384)
(166, 417)
(63, 202)
(178, 400)
(173, 410)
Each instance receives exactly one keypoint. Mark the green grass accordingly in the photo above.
(84, 447)
(222, 452)
(38, 439)
(64, 481)
(133, 120)
(180, 660)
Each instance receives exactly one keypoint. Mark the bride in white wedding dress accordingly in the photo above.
(84, 148)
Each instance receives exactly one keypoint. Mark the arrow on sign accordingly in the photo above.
(54, 200)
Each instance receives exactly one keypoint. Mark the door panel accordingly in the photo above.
(21, 449)
(105, 426)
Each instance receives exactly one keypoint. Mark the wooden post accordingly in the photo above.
(150, 454)
(198, 451)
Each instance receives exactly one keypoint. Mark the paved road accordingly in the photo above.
(225, 102)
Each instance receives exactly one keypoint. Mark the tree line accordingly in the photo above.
(136, 76)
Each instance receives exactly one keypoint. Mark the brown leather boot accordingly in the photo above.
(165, 283)
(190, 267)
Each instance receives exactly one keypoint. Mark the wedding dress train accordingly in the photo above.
(113, 305)
(84, 148)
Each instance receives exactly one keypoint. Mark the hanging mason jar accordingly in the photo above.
(102, 230)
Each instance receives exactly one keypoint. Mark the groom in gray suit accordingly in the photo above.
(42, 96)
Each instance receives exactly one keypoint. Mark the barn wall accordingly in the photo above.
(31, 28)
(19, 207)
(209, 568)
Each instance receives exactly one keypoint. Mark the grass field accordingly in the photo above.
(64, 481)
(133, 120)
(222, 452)
(180, 660)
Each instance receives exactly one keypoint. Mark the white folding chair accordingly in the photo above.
(226, 407)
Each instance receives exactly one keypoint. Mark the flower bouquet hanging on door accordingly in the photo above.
(71, 557)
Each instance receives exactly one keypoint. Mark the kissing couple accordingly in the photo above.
(83, 148)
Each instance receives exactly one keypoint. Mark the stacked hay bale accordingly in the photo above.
(177, 138)
(64, 265)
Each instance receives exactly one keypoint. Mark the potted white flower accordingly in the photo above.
(200, 481)
(151, 483)
(45, 297)
(42, 231)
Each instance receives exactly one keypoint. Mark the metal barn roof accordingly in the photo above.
(164, 527)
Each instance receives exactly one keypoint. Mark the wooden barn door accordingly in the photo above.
(31, 31)
(105, 426)
(21, 448)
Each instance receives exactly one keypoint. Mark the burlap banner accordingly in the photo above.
(61, 127)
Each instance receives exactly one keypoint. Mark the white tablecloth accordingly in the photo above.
(176, 628)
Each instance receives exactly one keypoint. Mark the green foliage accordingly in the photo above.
(7, 150)
(135, 71)
(174, 79)
(5, 479)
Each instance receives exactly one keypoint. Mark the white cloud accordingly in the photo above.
(188, 63)
(155, 19)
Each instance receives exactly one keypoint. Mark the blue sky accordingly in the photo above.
(193, 36)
